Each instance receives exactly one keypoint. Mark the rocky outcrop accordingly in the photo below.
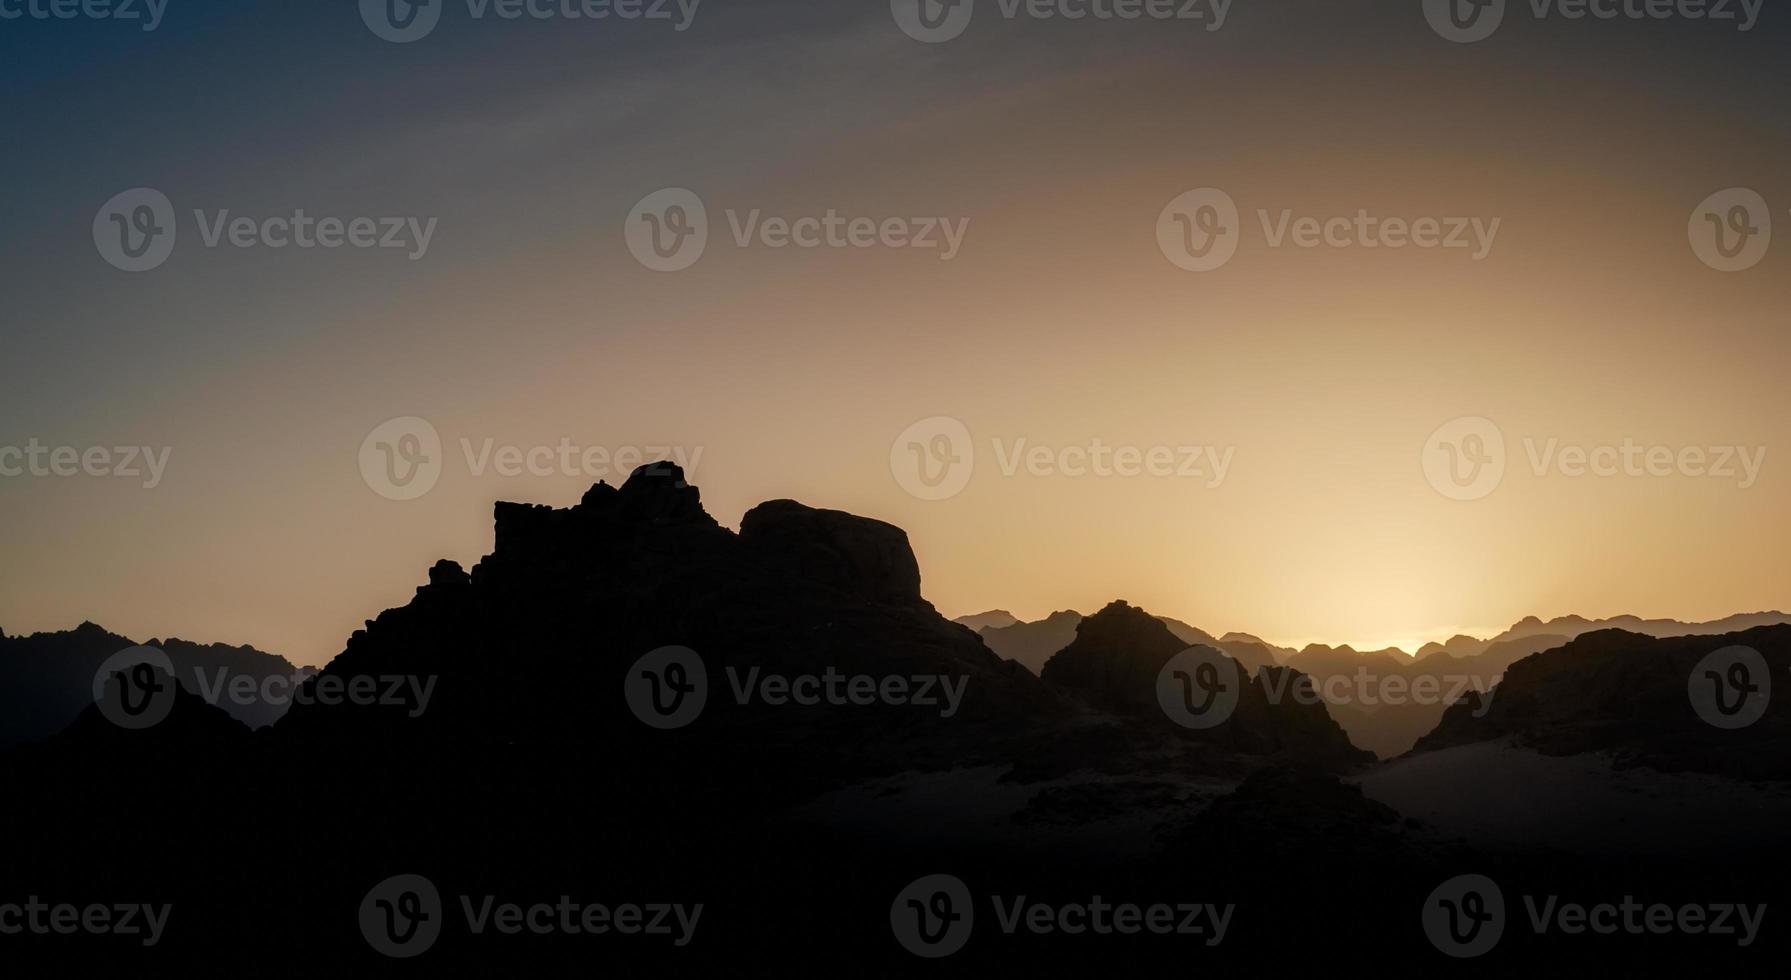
(1626, 694)
(1119, 653)
(865, 559)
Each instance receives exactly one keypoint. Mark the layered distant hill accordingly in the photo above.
(1568, 627)
(47, 678)
(993, 619)
(1363, 688)
(1031, 644)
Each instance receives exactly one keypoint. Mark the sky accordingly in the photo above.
(1299, 404)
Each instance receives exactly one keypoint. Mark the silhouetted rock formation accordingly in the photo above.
(526, 775)
(535, 642)
(1119, 652)
(1626, 694)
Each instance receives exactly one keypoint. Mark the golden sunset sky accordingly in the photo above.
(1591, 321)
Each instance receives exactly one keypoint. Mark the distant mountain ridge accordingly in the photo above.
(1024, 644)
(46, 679)
(993, 619)
(1464, 663)
(1031, 644)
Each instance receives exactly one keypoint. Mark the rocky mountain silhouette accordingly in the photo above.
(1356, 685)
(1031, 644)
(46, 679)
(530, 771)
(993, 619)
(1386, 701)
(1531, 629)
(1626, 695)
(1119, 652)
